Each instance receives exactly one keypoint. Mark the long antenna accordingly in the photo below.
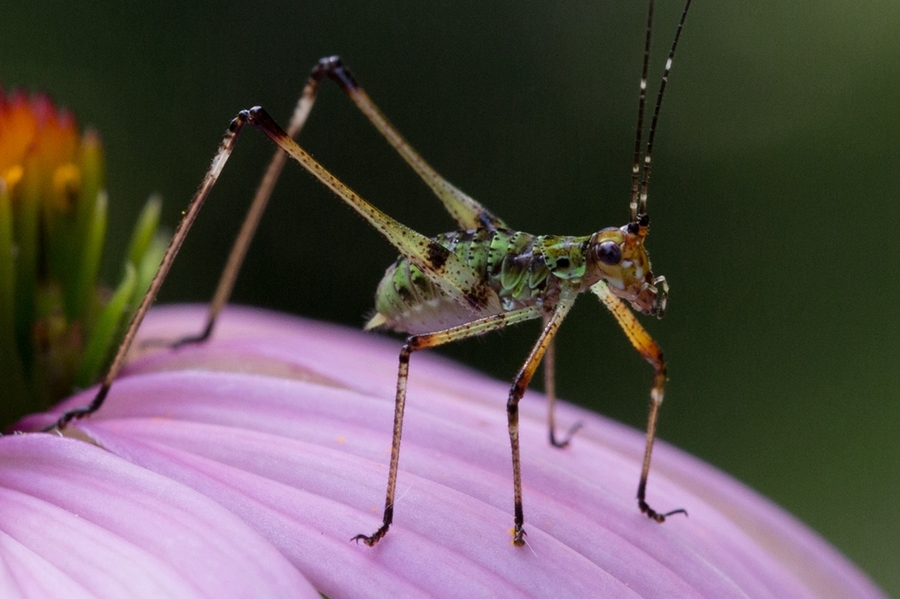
(639, 133)
(639, 207)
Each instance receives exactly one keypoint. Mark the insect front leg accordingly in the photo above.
(418, 342)
(650, 350)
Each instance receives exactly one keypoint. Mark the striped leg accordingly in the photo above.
(650, 351)
(424, 341)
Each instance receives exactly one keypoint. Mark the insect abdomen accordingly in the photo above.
(513, 264)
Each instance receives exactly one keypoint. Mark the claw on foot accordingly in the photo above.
(519, 535)
(67, 418)
(147, 344)
(371, 540)
(654, 515)
(190, 340)
(565, 441)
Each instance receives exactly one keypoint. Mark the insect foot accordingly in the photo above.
(371, 540)
(654, 515)
(382, 530)
(518, 535)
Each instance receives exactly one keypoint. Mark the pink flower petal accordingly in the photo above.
(78, 521)
(287, 424)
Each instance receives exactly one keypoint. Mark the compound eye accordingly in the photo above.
(608, 253)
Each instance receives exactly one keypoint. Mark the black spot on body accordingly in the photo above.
(437, 255)
(478, 297)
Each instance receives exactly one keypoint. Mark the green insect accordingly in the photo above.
(483, 277)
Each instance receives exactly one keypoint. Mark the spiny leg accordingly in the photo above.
(549, 366)
(467, 212)
(190, 215)
(424, 341)
(447, 271)
(460, 282)
(516, 391)
(254, 215)
(650, 351)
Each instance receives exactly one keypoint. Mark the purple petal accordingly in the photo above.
(287, 424)
(78, 521)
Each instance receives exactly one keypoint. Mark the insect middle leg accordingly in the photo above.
(424, 341)
(517, 390)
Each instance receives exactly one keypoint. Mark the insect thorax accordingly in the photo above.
(523, 270)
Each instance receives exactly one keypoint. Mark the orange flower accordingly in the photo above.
(56, 323)
(37, 139)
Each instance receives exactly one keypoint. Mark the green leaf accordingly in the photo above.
(11, 373)
(106, 331)
(91, 253)
(144, 229)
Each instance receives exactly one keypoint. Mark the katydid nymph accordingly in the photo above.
(481, 278)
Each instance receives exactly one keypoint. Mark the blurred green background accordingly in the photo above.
(774, 199)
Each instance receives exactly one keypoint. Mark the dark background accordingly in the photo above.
(774, 199)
